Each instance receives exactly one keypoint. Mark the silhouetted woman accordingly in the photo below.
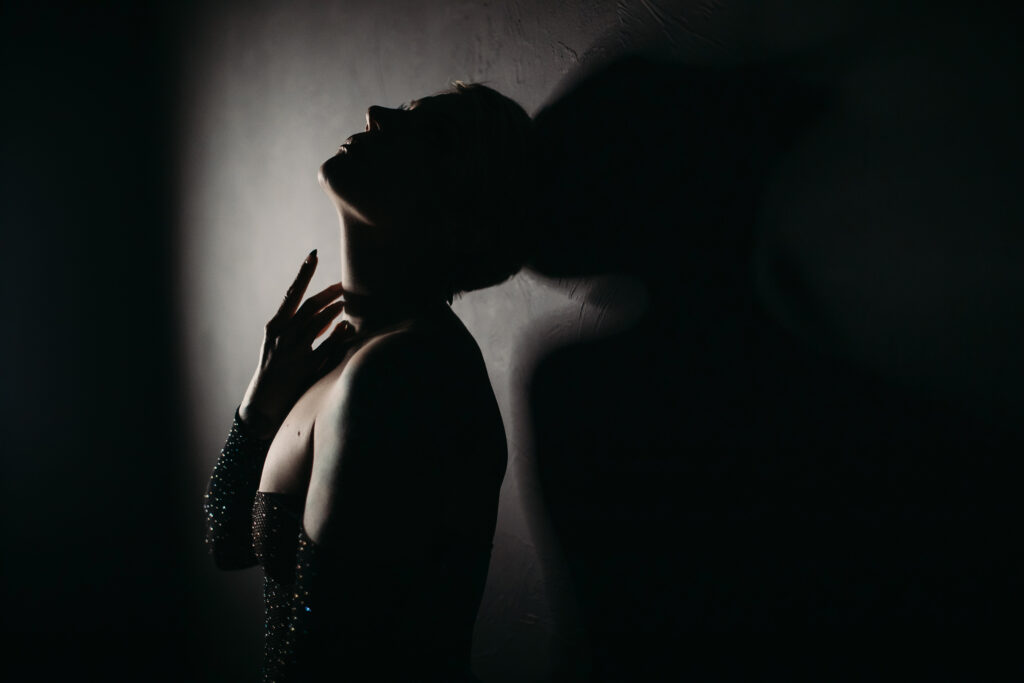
(364, 474)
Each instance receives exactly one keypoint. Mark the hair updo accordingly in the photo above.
(484, 225)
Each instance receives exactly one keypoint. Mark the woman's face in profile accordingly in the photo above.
(398, 165)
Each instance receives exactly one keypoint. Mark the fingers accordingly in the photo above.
(335, 343)
(319, 323)
(316, 302)
(295, 292)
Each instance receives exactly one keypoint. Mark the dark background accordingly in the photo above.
(92, 531)
(99, 514)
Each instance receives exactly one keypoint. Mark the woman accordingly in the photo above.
(364, 474)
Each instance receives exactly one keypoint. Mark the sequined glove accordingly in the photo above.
(230, 495)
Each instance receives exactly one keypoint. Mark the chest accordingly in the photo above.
(289, 460)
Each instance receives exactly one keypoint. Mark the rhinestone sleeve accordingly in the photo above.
(229, 498)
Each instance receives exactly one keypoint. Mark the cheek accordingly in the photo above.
(396, 184)
(413, 182)
(359, 181)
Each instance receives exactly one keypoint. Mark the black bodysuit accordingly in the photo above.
(308, 594)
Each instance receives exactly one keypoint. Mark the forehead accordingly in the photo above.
(446, 103)
(438, 111)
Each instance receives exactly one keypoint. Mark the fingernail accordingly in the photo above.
(312, 255)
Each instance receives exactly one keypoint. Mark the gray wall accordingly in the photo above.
(269, 93)
(897, 211)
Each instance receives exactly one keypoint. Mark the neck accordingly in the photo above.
(368, 313)
(381, 286)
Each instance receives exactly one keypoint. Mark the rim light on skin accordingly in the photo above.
(433, 197)
(379, 271)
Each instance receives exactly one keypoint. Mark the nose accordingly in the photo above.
(376, 117)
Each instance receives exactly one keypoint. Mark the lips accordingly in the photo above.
(357, 141)
(347, 146)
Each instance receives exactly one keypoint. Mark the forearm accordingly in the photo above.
(230, 494)
(256, 423)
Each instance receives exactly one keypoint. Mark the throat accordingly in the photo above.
(369, 313)
(358, 306)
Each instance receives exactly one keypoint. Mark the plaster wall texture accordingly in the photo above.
(270, 92)
(270, 89)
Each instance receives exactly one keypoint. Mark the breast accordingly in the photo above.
(290, 457)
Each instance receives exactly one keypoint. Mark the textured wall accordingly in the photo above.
(895, 211)
(269, 93)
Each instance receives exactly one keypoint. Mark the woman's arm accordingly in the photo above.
(230, 495)
(288, 366)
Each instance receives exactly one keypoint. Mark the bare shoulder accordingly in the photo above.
(425, 380)
(407, 358)
(404, 400)
(392, 350)
(371, 430)
(396, 378)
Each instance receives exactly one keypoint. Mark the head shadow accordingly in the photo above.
(653, 169)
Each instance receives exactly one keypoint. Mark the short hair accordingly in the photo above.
(487, 223)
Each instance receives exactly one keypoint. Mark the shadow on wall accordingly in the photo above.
(704, 470)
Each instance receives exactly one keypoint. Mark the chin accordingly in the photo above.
(329, 175)
(346, 187)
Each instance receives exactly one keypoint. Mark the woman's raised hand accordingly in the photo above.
(288, 363)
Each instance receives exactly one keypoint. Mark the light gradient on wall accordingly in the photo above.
(869, 210)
